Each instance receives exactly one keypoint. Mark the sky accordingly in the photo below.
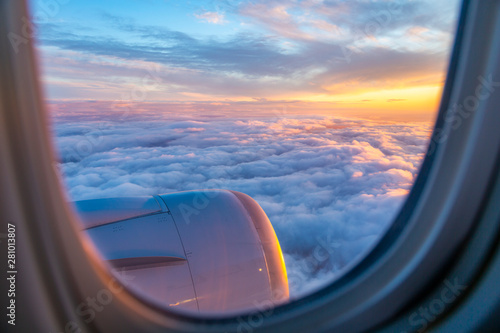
(378, 59)
(320, 110)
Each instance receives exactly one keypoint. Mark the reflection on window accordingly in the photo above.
(318, 110)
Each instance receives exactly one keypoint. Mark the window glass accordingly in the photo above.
(321, 111)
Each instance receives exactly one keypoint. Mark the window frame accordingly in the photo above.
(423, 246)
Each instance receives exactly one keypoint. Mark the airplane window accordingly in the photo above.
(227, 155)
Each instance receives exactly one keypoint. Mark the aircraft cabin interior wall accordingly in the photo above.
(244, 251)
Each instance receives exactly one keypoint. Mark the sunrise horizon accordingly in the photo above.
(356, 59)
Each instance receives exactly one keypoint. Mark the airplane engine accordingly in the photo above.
(209, 251)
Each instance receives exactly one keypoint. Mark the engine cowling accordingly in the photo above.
(209, 251)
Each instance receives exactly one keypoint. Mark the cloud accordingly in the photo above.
(211, 17)
(330, 186)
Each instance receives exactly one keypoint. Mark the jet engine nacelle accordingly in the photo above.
(210, 251)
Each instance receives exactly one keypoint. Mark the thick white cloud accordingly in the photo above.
(330, 186)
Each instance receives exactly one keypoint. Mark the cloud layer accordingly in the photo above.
(330, 186)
